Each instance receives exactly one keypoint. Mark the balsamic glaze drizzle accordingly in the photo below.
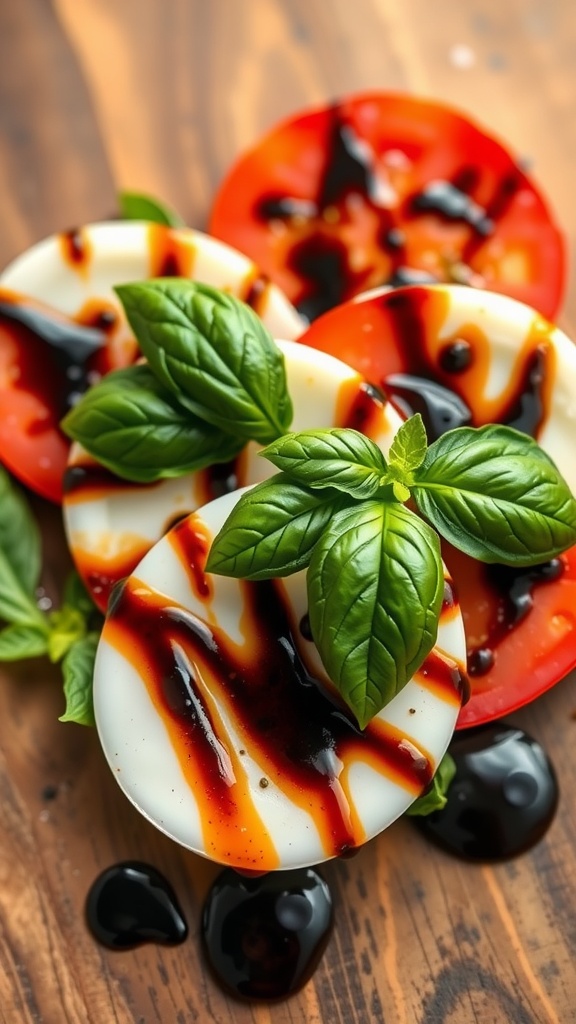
(512, 589)
(440, 408)
(69, 348)
(300, 733)
(324, 263)
(433, 389)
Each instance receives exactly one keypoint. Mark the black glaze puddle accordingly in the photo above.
(131, 904)
(263, 937)
(502, 799)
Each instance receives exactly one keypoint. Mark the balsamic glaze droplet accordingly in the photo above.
(456, 357)
(502, 799)
(263, 937)
(131, 904)
(512, 589)
(305, 629)
(447, 200)
(403, 276)
(440, 408)
(480, 661)
(222, 478)
(393, 238)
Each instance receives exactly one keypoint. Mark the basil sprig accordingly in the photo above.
(26, 631)
(139, 206)
(135, 427)
(375, 577)
(214, 379)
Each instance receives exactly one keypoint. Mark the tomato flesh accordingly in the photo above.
(389, 189)
(38, 381)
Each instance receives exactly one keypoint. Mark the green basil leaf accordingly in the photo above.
(21, 641)
(375, 588)
(213, 353)
(138, 206)
(494, 494)
(67, 625)
(400, 491)
(76, 596)
(134, 426)
(19, 535)
(272, 530)
(435, 798)
(78, 673)
(16, 605)
(335, 457)
(408, 449)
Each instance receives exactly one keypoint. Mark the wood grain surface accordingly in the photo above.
(161, 95)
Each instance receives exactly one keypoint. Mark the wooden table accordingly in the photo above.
(160, 95)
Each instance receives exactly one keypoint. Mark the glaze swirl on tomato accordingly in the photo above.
(459, 356)
(382, 188)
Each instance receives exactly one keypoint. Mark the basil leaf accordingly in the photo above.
(336, 457)
(76, 596)
(16, 605)
(67, 625)
(20, 641)
(19, 535)
(435, 798)
(375, 588)
(494, 494)
(272, 530)
(134, 426)
(400, 491)
(408, 449)
(78, 672)
(213, 353)
(137, 206)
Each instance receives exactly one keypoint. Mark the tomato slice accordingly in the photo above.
(462, 356)
(46, 358)
(45, 354)
(383, 188)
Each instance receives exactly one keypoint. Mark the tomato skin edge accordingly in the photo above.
(545, 668)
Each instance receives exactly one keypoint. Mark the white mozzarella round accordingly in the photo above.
(74, 268)
(350, 791)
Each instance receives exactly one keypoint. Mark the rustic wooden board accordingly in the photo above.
(160, 95)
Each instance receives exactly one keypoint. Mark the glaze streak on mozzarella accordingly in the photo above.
(170, 253)
(303, 739)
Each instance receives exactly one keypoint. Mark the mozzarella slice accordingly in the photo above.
(77, 270)
(219, 724)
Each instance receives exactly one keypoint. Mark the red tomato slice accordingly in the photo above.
(37, 382)
(520, 625)
(383, 188)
